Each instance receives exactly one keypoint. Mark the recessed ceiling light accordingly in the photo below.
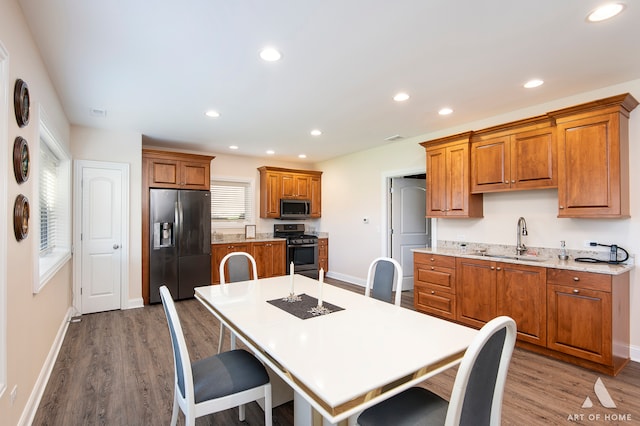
(302, 156)
(605, 12)
(233, 147)
(400, 97)
(315, 132)
(271, 152)
(445, 111)
(533, 83)
(213, 114)
(270, 54)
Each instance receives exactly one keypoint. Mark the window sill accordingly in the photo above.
(49, 265)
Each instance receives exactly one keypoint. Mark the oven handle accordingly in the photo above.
(303, 245)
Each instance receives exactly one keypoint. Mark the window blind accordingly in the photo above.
(231, 201)
(48, 198)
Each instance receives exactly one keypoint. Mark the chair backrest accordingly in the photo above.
(476, 398)
(182, 363)
(380, 279)
(237, 264)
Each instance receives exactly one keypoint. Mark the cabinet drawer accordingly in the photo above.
(444, 277)
(432, 300)
(587, 280)
(435, 259)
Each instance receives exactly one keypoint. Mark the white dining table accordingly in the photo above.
(342, 362)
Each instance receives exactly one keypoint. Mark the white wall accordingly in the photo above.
(119, 147)
(352, 189)
(34, 320)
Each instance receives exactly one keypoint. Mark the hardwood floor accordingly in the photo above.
(116, 368)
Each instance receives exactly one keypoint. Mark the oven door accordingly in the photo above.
(304, 258)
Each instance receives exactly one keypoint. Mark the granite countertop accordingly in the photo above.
(240, 238)
(544, 260)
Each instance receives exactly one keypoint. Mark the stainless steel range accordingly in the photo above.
(302, 249)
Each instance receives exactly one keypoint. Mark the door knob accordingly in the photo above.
(116, 246)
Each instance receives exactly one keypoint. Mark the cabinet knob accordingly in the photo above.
(432, 259)
(513, 181)
(561, 207)
(576, 291)
(506, 182)
(498, 269)
(433, 268)
(433, 292)
(492, 268)
(576, 278)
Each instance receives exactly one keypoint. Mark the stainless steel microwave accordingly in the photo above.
(295, 209)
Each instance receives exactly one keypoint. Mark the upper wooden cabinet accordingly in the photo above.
(593, 158)
(176, 170)
(514, 156)
(277, 183)
(448, 193)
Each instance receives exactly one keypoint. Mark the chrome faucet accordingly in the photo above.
(522, 230)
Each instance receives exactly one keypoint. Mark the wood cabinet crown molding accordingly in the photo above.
(282, 169)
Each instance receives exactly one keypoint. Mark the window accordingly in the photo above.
(53, 219)
(231, 202)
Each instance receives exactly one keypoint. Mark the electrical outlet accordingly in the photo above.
(14, 394)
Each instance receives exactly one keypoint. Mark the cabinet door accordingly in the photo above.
(164, 173)
(579, 322)
(316, 197)
(323, 254)
(287, 185)
(534, 159)
(270, 190)
(263, 254)
(490, 165)
(303, 186)
(218, 251)
(589, 168)
(475, 291)
(195, 175)
(436, 182)
(522, 295)
(457, 161)
(279, 257)
(434, 301)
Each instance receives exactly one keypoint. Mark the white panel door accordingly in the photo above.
(101, 239)
(410, 228)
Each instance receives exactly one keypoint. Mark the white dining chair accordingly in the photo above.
(219, 382)
(239, 266)
(476, 398)
(383, 273)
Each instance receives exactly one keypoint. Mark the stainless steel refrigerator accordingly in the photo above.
(180, 242)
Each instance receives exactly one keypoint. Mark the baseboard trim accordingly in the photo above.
(347, 278)
(635, 353)
(31, 407)
(135, 303)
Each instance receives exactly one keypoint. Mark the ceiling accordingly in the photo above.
(156, 70)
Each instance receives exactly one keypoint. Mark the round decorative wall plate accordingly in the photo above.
(21, 102)
(21, 159)
(21, 217)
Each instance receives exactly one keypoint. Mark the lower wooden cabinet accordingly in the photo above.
(323, 254)
(522, 295)
(588, 317)
(434, 285)
(270, 258)
(218, 251)
(579, 317)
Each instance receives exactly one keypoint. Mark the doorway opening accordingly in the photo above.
(406, 222)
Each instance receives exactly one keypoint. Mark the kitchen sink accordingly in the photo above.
(524, 257)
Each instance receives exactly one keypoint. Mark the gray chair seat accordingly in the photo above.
(227, 373)
(413, 407)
